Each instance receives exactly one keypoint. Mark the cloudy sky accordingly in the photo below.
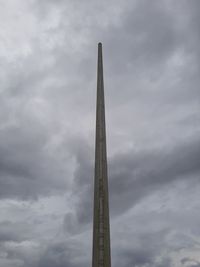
(48, 58)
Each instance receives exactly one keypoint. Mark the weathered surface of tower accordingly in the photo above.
(101, 227)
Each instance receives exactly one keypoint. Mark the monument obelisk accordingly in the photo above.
(101, 226)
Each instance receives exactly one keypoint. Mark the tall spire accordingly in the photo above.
(101, 227)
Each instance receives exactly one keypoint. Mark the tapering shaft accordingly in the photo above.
(101, 228)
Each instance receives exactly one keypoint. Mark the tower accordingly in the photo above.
(101, 227)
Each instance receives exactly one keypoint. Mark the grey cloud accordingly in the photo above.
(151, 55)
(189, 260)
(144, 47)
(138, 258)
(144, 38)
(15, 232)
(143, 250)
(70, 223)
(150, 36)
(135, 175)
(82, 185)
(56, 255)
(26, 168)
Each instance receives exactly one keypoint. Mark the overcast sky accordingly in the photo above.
(48, 58)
